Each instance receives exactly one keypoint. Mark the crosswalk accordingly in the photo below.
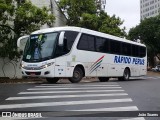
(72, 99)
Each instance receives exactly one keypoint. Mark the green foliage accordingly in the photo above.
(75, 9)
(83, 13)
(133, 33)
(149, 32)
(17, 19)
(89, 21)
(111, 25)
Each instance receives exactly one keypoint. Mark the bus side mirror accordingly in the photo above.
(61, 39)
(21, 42)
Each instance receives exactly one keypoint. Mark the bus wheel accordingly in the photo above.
(77, 75)
(126, 75)
(103, 79)
(52, 80)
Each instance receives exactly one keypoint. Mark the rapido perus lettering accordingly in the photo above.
(129, 60)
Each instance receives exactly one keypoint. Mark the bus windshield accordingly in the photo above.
(40, 47)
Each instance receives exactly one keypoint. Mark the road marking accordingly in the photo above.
(66, 96)
(82, 88)
(137, 118)
(42, 85)
(86, 91)
(84, 84)
(128, 108)
(138, 78)
(51, 104)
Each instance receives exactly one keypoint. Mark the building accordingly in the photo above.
(149, 8)
(102, 4)
(56, 11)
(11, 69)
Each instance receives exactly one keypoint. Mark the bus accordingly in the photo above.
(74, 52)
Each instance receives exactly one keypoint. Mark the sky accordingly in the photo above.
(127, 10)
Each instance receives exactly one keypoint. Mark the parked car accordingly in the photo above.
(157, 68)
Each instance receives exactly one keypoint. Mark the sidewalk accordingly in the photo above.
(151, 73)
(38, 80)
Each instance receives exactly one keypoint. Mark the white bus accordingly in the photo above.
(74, 53)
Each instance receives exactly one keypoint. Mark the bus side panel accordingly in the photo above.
(135, 70)
(103, 70)
(143, 68)
(91, 61)
(115, 70)
(60, 67)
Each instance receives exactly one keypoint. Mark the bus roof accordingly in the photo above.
(87, 31)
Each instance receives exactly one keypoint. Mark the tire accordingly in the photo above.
(77, 75)
(52, 80)
(126, 75)
(103, 79)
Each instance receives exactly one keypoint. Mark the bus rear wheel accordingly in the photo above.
(103, 79)
(52, 80)
(126, 75)
(77, 75)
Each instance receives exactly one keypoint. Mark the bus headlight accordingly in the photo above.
(47, 65)
(21, 65)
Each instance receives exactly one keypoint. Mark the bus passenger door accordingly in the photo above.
(60, 67)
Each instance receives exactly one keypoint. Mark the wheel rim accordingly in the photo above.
(76, 75)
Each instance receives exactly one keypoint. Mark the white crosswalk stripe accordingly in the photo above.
(78, 91)
(73, 97)
(65, 96)
(78, 85)
(128, 108)
(27, 105)
(84, 88)
(138, 118)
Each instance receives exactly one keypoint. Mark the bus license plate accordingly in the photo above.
(32, 74)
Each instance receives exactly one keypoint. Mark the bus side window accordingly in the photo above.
(135, 50)
(126, 49)
(142, 52)
(70, 37)
(86, 43)
(102, 45)
(115, 47)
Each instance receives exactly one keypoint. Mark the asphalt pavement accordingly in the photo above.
(90, 99)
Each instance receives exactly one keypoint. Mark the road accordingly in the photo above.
(90, 98)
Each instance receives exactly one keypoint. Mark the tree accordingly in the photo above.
(17, 19)
(149, 32)
(84, 13)
(75, 9)
(111, 25)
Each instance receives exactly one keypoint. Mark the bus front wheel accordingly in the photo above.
(77, 75)
(52, 80)
(103, 79)
(126, 75)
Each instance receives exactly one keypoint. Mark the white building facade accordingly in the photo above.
(149, 8)
(55, 10)
(11, 69)
(102, 4)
